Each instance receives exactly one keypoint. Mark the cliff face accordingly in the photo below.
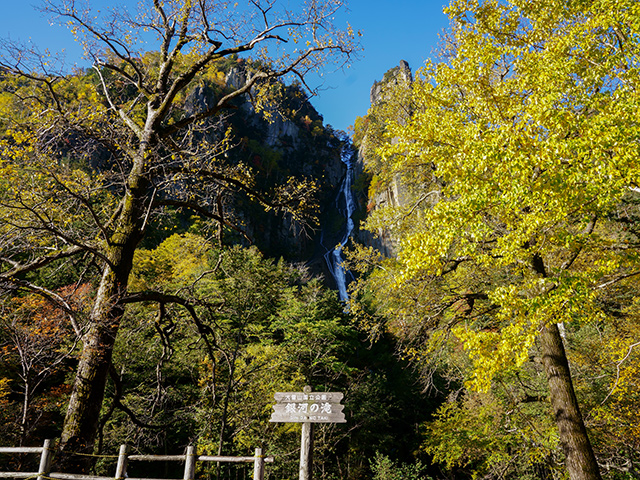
(400, 75)
(291, 141)
(287, 140)
(384, 106)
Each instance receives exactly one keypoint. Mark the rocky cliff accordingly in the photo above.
(388, 102)
(282, 140)
(400, 75)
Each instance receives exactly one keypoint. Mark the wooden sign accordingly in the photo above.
(308, 407)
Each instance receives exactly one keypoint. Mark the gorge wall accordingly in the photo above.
(294, 142)
(389, 101)
(284, 140)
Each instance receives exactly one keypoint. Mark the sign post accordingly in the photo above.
(306, 451)
(307, 407)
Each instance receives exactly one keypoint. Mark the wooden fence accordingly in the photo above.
(189, 458)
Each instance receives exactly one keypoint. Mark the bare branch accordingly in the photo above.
(618, 365)
(39, 262)
(617, 279)
(49, 295)
(205, 213)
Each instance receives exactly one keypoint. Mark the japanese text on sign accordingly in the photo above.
(318, 407)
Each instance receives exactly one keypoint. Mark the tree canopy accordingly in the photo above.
(519, 164)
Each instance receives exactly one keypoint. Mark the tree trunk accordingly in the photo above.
(83, 413)
(581, 463)
(25, 408)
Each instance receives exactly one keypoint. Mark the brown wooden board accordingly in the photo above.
(283, 413)
(296, 407)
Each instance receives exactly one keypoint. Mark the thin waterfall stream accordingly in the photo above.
(346, 205)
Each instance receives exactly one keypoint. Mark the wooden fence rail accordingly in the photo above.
(189, 458)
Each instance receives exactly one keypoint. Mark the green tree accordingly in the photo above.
(206, 374)
(133, 116)
(386, 469)
(520, 163)
(253, 326)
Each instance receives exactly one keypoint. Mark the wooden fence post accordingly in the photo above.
(190, 463)
(258, 465)
(121, 467)
(45, 460)
(189, 458)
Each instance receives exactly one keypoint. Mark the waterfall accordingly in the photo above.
(345, 204)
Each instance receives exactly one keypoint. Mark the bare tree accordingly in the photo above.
(132, 116)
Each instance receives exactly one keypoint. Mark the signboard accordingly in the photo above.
(308, 407)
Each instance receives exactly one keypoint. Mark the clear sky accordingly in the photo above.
(393, 30)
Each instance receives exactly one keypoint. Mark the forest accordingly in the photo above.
(166, 213)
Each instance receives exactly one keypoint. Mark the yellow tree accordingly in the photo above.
(521, 162)
(132, 115)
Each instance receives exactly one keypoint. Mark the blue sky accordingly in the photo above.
(392, 31)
